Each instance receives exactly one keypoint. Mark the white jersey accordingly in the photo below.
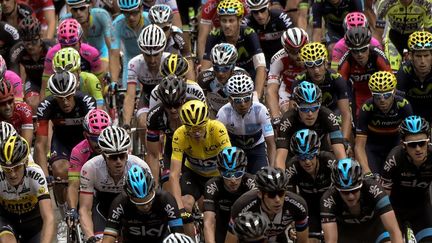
(249, 130)
(138, 71)
(193, 92)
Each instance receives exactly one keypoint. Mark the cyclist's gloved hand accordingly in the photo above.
(92, 239)
(50, 180)
(72, 216)
(179, 41)
(186, 216)
(127, 127)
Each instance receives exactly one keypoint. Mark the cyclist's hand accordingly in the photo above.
(72, 217)
(127, 127)
(50, 180)
(93, 239)
(179, 41)
(292, 233)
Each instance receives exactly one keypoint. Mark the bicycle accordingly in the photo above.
(408, 233)
(198, 218)
(75, 234)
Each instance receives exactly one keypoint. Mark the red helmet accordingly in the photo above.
(6, 91)
(294, 38)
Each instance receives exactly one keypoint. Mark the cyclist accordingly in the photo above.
(407, 174)
(197, 142)
(213, 80)
(126, 29)
(222, 191)
(94, 122)
(141, 212)
(177, 19)
(251, 227)
(26, 212)
(360, 62)
(415, 76)
(248, 123)
(269, 25)
(178, 238)
(272, 200)
(379, 120)
(69, 59)
(333, 87)
(69, 34)
(162, 15)
(310, 172)
(308, 113)
(96, 24)
(45, 13)
(12, 78)
(251, 58)
(29, 54)
(285, 65)
(144, 71)
(356, 209)
(102, 179)
(9, 36)
(13, 12)
(19, 114)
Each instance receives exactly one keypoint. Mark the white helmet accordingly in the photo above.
(62, 84)
(152, 40)
(294, 38)
(224, 54)
(257, 4)
(2, 67)
(160, 14)
(114, 140)
(7, 130)
(239, 84)
(178, 238)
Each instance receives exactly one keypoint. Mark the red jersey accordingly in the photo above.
(283, 68)
(39, 6)
(21, 117)
(209, 12)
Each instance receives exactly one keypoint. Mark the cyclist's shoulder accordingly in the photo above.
(53, 50)
(246, 31)
(96, 163)
(99, 12)
(133, 159)
(368, 106)
(249, 201)
(332, 75)
(119, 21)
(216, 127)
(23, 107)
(82, 147)
(90, 79)
(17, 51)
(278, 56)
(87, 50)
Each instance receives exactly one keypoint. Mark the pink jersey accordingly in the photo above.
(16, 81)
(80, 154)
(340, 48)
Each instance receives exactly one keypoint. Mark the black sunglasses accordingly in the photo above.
(259, 11)
(121, 156)
(80, 9)
(414, 144)
(274, 194)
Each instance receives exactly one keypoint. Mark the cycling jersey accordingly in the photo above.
(248, 130)
(214, 89)
(33, 68)
(138, 226)
(294, 209)
(193, 92)
(80, 154)
(200, 156)
(17, 83)
(340, 48)
(90, 60)
(99, 29)
(172, 46)
(22, 11)
(209, 12)
(9, 36)
(358, 75)
(333, 88)
(171, 3)
(219, 200)
(417, 92)
(270, 34)
(365, 227)
(247, 45)
(21, 117)
(89, 85)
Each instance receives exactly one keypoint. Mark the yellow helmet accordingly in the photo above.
(230, 7)
(382, 81)
(313, 51)
(13, 150)
(420, 40)
(67, 59)
(174, 65)
(194, 113)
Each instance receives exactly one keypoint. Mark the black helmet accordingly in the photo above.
(269, 179)
(13, 150)
(172, 91)
(304, 141)
(347, 175)
(250, 226)
(232, 158)
(174, 65)
(357, 37)
(414, 125)
(29, 28)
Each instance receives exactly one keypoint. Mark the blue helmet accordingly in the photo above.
(414, 125)
(128, 5)
(139, 182)
(305, 141)
(347, 175)
(307, 92)
(231, 158)
(77, 2)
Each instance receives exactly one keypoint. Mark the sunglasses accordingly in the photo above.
(315, 63)
(274, 194)
(68, 42)
(350, 191)
(79, 9)
(173, 106)
(145, 202)
(127, 14)
(114, 157)
(222, 68)
(307, 109)
(32, 42)
(66, 98)
(359, 50)
(259, 11)
(14, 168)
(413, 144)
(194, 129)
(385, 95)
(309, 156)
(243, 99)
(230, 174)
(420, 46)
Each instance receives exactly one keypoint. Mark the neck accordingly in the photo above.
(233, 39)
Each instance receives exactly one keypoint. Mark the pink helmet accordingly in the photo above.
(2, 67)
(69, 32)
(355, 19)
(96, 120)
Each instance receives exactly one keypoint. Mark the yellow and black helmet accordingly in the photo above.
(420, 40)
(194, 113)
(13, 150)
(313, 51)
(230, 7)
(174, 65)
(67, 59)
(382, 81)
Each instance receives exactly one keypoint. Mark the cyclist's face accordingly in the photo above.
(383, 103)
(309, 165)
(32, 46)
(197, 132)
(116, 163)
(261, 16)
(153, 61)
(418, 153)
(8, 6)
(67, 103)
(232, 184)
(308, 118)
(81, 13)
(241, 103)
(422, 61)
(6, 109)
(173, 112)
(14, 175)
(273, 201)
(317, 73)
(351, 198)
(361, 56)
(295, 56)
(133, 17)
(223, 77)
(229, 25)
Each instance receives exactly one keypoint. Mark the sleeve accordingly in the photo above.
(16, 81)
(115, 214)
(116, 31)
(405, 108)
(284, 131)
(154, 100)
(299, 210)
(337, 53)
(221, 135)
(14, 36)
(341, 87)
(389, 168)
(178, 144)
(87, 178)
(173, 5)
(106, 24)
(132, 73)
(204, 78)
(363, 118)
(402, 78)
(252, 42)
(276, 67)
(382, 62)
(265, 121)
(75, 163)
(207, 11)
(43, 113)
(286, 21)
(172, 213)
(331, 125)
(194, 91)
(316, 14)
(211, 195)
(328, 206)
(344, 67)
(92, 55)
(94, 88)
(378, 195)
(26, 115)
(220, 116)
(291, 171)
(90, 103)
(16, 52)
(357, 6)
(382, 9)
(153, 129)
(427, 17)
(212, 40)
(39, 184)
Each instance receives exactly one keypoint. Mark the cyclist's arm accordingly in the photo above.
(108, 239)
(174, 180)
(391, 225)
(343, 105)
(281, 156)
(129, 103)
(50, 18)
(330, 230)
(47, 215)
(260, 77)
(209, 226)
(73, 192)
(302, 236)
(40, 153)
(27, 134)
(153, 154)
(272, 99)
(203, 31)
(114, 65)
(339, 150)
(231, 238)
(360, 152)
(271, 149)
(85, 212)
